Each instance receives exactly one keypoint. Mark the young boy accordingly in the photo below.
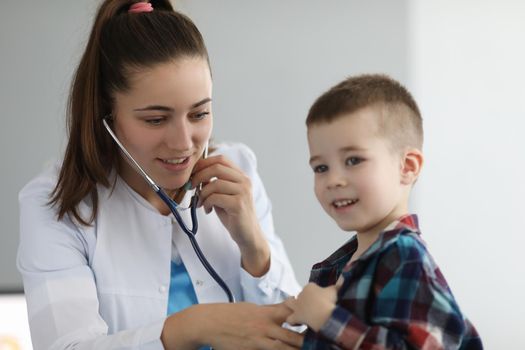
(382, 289)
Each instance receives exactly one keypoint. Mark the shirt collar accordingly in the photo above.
(406, 223)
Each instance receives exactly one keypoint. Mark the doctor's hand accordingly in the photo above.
(244, 326)
(249, 326)
(313, 306)
(228, 191)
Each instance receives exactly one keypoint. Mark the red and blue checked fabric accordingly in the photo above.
(393, 297)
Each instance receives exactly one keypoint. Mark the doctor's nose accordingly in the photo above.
(179, 135)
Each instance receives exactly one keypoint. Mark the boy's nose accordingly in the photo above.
(336, 179)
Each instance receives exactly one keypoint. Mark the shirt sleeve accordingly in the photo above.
(413, 308)
(279, 282)
(59, 286)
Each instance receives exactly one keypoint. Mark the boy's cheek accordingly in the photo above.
(318, 190)
(321, 200)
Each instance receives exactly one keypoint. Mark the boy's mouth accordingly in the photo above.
(341, 203)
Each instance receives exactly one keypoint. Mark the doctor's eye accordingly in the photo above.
(200, 115)
(353, 160)
(320, 168)
(154, 121)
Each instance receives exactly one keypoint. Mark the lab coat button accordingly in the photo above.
(162, 289)
(199, 283)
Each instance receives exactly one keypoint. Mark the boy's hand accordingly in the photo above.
(313, 306)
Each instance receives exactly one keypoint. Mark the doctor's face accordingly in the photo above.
(164, 121)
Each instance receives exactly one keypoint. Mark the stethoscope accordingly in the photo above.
(174, 208)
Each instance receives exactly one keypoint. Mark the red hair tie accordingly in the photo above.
(139, 7)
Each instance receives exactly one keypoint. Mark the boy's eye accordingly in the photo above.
(353, 160)
(320, 168)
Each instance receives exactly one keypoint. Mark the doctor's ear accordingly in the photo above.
(411, 165)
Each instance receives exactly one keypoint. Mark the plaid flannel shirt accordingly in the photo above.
(393, 297)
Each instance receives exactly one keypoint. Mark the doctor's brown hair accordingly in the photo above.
(398, 116)
(120, 42)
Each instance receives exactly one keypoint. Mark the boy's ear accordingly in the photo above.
(412, 162)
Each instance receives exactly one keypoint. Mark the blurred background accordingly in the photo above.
(462, 60)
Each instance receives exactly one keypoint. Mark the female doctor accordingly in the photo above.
(104, 263)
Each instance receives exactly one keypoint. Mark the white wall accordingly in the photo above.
(40, 43)
(468, 74)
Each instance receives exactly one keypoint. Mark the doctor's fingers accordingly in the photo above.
(223, 171)
(284, 338)
(220, 186)
(279, 312)
(214, 160)
(234, 207)
(278, 344)
(225, 196)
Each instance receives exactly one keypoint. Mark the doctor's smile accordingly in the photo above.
(175, 164)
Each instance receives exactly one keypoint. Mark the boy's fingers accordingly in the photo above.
(295, 320)
(290, 303)
(291, 320)
(277, 312)
(339, 282)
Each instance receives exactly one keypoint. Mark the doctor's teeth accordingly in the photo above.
(174, 161)
(344, 202)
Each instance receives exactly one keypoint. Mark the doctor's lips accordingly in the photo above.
(175, 164)
(175, 160)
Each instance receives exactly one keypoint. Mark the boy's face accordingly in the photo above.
(357, 175)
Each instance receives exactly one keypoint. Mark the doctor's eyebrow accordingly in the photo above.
(201, 102)
(154, 108)
(169, 109)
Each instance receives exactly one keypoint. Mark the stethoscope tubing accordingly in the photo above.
(191, 235)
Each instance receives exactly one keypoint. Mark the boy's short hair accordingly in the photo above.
(400, 120)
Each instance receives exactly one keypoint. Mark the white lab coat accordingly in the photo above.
(106, 286)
